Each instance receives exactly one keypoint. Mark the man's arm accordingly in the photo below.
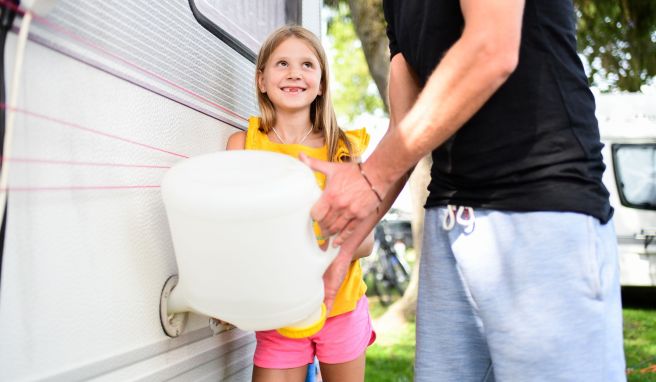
(403, 88)
(470, 72)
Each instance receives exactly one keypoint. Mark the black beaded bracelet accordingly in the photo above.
(369, 183)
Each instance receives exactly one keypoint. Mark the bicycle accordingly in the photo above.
(385, 271)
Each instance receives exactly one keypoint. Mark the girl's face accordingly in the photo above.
(291, 76)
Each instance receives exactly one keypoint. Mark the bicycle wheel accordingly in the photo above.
(383, 287)
(397, 272)
(390, 280)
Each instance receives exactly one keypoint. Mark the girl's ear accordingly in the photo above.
(260, 82)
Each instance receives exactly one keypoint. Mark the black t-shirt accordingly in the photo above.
(534, 146)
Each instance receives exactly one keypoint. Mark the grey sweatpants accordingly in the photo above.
(519, 297)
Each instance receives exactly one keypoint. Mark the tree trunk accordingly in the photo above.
(370, 27)
(405, 309)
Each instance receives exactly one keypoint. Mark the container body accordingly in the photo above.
(242, 233)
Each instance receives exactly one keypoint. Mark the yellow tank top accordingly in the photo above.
(353, 286)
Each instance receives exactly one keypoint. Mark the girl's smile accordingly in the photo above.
(291, 77)
(293, 89)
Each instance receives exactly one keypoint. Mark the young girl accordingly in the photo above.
(297, 116)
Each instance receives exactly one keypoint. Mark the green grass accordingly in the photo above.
(375, 308)
(640, 344)
(391, 357)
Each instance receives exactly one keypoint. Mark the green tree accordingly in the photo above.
(353, 91)
(618, 39)
(370, 27)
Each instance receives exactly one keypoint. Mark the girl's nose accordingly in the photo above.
(294, 73)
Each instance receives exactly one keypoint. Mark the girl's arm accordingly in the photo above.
(365, 247)
(237, 141)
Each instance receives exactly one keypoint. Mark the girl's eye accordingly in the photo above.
(308, 65)
(281, 63)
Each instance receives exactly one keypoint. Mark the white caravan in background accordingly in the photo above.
(109, 94)
(627, 123)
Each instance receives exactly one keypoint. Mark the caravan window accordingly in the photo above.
(635, 174)
(244, 24)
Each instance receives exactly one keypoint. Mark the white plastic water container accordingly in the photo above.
(243, 239)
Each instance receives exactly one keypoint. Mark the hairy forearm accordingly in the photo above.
(361, 241)
(403, 91)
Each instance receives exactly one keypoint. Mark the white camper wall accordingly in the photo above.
(83, 269)
(629, 119)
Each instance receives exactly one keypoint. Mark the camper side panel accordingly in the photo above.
(111, 95)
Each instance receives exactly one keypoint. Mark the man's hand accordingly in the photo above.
(351, 250)
(345, 202)
(334, 276)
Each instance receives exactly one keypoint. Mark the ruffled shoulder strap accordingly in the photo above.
(253, 134)
(359, 141)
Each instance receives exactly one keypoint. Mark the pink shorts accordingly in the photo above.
(343, 338)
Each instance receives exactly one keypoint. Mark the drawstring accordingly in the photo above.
(449, 219)
(461, 215)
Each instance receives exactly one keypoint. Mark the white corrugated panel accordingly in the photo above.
(83, 270)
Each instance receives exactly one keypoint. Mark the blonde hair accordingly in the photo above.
(322, 114)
